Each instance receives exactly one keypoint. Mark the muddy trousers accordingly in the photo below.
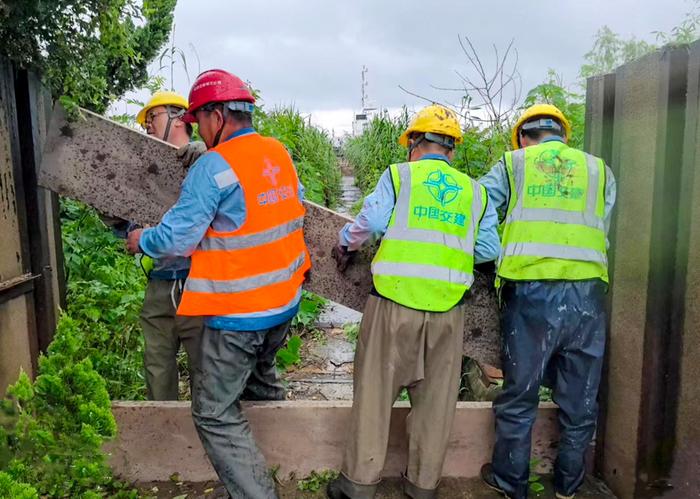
(553, 333)
(234, 364)
(400, 347)
(164, 331)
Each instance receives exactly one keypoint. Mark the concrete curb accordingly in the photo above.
(157, 439)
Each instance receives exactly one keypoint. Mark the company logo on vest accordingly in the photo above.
(443, 187)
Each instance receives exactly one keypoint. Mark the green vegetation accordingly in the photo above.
(105, 293)
(316, 480)
(352, 331)
(88, 51)
(535, 480)
(372, 152)
(289, 355)
(52, 430)
(311, 150)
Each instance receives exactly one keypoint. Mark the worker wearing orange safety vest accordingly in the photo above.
(240, 218)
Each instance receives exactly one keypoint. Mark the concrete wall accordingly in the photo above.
(157, 439)
(15, 351)
(637, 119)
(15, 310)
(31, 260)
(686, 465)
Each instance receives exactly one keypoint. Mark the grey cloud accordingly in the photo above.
(310, 52)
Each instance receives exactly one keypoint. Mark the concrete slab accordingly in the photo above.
(157, 439)
(337, 315)
(684, 475)
(127, 174)
(646, 153)
(634, 150)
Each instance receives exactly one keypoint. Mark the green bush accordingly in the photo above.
(105, 294)
(372, 152)
(9, 487)
(52, 430)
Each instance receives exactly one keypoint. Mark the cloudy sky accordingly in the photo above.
(309, 53)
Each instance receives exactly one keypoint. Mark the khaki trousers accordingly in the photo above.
(163, 332)
(401, 347)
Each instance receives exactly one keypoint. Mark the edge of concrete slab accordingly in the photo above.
(158, 439)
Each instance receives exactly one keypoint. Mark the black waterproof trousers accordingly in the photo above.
(553, 333)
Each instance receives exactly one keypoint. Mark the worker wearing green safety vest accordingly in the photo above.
(552, 276)
(435, 223)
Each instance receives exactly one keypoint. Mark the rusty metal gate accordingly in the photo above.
(31, 278)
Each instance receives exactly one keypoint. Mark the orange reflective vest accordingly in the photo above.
(260, 265)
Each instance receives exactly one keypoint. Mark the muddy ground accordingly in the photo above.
(450, 488)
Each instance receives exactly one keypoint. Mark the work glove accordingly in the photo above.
(189, 153)
(342, 257)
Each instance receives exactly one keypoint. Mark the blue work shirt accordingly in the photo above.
(498, 187)
(164, 269)
(372, 221)
(211, 196)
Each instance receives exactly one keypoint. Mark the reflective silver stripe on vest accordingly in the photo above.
(422, 271)
(251, 240)
(403, 200)
(555, 251)
(200, 285)
(427, 236)
(589, 218)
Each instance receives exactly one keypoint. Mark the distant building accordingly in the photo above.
(361, 119)
(359, 124)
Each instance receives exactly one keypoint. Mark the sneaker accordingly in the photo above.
(489, 479)
(562, 496)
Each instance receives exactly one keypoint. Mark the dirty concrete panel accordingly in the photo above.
(10, 242)
(684, 477)
(119, 171)
(157, 439)
(600, 109)
(633, 145)
(14, 343)
(641, 95)
(127, 174)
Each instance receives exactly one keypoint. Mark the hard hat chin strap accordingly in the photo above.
(217, 137)
(413, 143)
(173, 114)
(442, 140)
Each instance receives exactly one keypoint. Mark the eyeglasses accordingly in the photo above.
(152, 116)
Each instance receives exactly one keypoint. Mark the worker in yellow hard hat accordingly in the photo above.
(161, 116)
(164, 331)
(434, 222)
(552, 277)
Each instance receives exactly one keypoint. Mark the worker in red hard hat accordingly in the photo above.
(240, 217)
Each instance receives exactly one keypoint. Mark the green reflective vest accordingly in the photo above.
(426, 257)
(554, 227)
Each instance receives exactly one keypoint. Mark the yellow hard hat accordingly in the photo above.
(535, 111)
(433, 119)
(161, 98)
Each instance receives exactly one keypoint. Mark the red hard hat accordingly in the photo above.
(216, 85)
